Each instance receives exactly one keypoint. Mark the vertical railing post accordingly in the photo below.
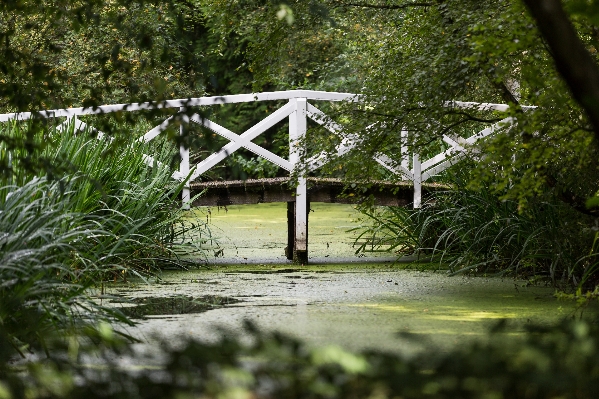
(405, 161)
(184, 165)
(297, 135)
(417, 170)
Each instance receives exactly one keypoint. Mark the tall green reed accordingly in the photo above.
(466, 230)
(108, 216)
(47, 263)
(138, 204)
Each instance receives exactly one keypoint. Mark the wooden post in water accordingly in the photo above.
(289, 249)
(297, 136)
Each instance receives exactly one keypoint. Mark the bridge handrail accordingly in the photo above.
(183, 102)
(226, 99)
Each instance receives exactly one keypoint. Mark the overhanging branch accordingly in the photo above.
(572, 60)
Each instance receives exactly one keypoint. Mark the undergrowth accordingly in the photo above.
(546, 362)
(107, 217)
(475, 231)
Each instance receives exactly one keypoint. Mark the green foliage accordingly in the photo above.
(109, 217)
(467, 230)
(61, 53)
(258, 168)
(276, 45)
(548, 362)
(487, 52)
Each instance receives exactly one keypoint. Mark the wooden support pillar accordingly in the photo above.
(297, 137)
(290, 250)
(290, 230)
(300, 253)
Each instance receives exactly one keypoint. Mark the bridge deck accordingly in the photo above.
(240, 192)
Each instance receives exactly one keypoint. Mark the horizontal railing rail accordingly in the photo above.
(183, 102)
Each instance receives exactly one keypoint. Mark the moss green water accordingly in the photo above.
(258, 234)
(377, 304)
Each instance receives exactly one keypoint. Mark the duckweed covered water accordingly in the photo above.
(141, 307)
(254, 234)
(358, 307)
(364, 303)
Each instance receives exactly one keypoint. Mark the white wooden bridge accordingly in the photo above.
(298, 109)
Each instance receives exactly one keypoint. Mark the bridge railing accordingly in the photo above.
(298, 109)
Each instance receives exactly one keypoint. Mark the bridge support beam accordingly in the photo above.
(297, 143)
(290, 250)
(300, 252)
(290, 230)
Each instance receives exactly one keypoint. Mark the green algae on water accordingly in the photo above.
(175, 305)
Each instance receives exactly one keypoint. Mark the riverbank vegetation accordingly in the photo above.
(107, 216)
(473, 231)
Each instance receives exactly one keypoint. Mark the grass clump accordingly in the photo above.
(45, 263)
(108, 216)
(475, 231)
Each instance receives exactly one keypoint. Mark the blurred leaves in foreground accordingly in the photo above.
(546, 362)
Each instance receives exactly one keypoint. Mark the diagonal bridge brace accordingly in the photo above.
(347, 144)
(243, 140)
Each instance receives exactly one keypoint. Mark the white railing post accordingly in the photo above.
(417, 181)
(405, 161)
(184, 166)
(297, 135)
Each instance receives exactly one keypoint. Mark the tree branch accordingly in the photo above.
(569, 198)
(505, 93)
(572, 60)
(473, 118)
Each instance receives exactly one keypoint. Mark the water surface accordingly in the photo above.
(366, 302)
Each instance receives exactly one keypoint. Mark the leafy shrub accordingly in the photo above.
(256, 168)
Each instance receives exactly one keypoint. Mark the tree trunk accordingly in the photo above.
(572, 60)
